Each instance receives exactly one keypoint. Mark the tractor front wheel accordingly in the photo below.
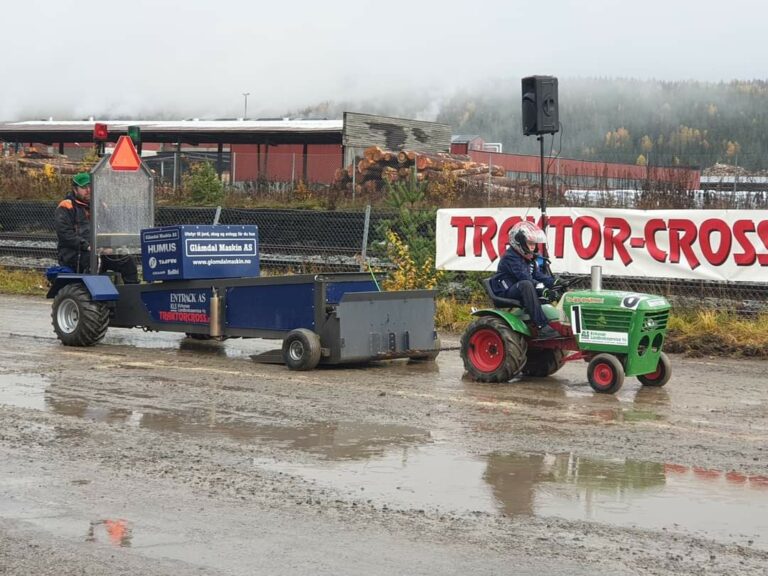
(492, 351)
(605, 374)
(660, 376)
(77, 320)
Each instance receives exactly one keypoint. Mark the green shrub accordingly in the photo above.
(202, 184)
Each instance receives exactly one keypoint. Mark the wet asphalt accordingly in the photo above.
(150, 453)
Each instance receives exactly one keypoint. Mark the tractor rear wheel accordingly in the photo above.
(605, 374)
(660, 376)
(492, 351)
(77, 320)
(301, 349)
(543, 363)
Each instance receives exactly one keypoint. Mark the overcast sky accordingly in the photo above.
(76, 58)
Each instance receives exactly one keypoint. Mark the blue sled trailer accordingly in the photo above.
(320, 318)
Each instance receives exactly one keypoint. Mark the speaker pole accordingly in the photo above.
(543, 205)
(540, 116)
(543, 194)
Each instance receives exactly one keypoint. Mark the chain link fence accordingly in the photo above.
(330, 229)
(290, 240)
(309, 241)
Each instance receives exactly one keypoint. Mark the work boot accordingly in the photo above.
(546, 332)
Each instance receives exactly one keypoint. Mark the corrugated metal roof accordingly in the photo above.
(178, 125)
(270, 132)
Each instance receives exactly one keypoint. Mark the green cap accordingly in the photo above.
(81, 179)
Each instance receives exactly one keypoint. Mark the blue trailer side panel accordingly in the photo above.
(190, 306)
(335, 290)
(271, 307)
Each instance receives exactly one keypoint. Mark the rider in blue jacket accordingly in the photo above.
(518, 273)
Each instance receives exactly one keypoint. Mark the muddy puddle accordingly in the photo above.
(408, 468)
(726, 506)
(329, 440)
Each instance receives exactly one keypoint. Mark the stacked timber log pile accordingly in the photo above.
(378, 167)
(720, 170)
(37, 161)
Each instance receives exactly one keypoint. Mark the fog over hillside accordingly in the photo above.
(449, 60)
(621, 120)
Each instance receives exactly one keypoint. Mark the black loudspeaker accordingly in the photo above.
(540, 105)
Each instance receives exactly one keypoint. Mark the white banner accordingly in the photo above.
(720, 245)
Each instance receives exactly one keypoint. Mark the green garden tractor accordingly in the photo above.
(618, 333)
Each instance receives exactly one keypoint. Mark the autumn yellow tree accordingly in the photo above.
(619, 138)
(732, 149)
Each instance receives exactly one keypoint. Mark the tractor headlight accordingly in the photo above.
(649, 324)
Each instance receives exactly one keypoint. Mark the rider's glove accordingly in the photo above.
(552, 294)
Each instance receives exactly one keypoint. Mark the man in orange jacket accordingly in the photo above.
(72, 221)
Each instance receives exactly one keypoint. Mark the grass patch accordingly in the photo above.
(22, 282)
(451, 315)
(714, 333)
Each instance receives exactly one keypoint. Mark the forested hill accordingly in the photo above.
(634, 121)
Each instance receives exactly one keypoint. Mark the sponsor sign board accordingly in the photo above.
(602, 337)
(719, 245)
(187, 306)
(195, 252)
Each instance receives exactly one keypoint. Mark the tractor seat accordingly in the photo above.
(498, 300)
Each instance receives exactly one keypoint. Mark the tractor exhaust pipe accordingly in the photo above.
(597, 278)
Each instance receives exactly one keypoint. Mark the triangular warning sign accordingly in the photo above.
(124, 157)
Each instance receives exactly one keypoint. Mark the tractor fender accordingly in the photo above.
(100, 288)
(513, 320)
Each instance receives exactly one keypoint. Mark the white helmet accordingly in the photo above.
(524, 232)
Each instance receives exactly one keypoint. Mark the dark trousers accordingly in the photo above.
(124, 265)
(80, 263)
(525, 291)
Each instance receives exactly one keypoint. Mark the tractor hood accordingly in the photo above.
(614, 299)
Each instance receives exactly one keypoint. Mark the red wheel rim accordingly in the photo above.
(486, 350)
(655, 375)
(603, 375)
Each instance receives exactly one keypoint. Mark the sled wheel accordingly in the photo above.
(301, 349)
(492, 351)
(605, 374)
(660, 376)
(77, 320)
(543, 363)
